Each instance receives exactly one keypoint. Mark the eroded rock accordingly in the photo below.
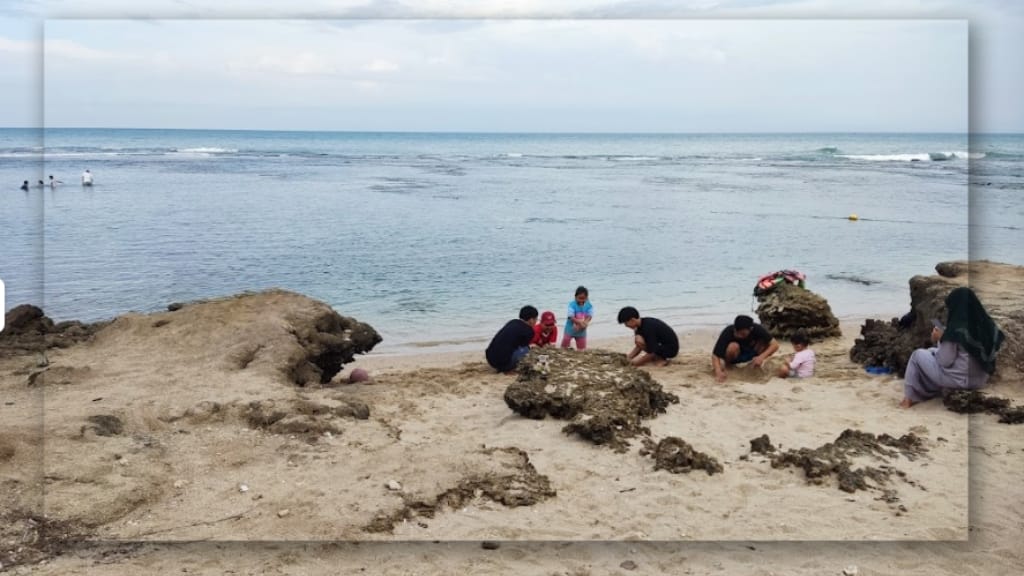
(27, 329)
(787, 309)
(887, 343)
(328, 340)
(761, 445)
(678, 457)
(604, 397)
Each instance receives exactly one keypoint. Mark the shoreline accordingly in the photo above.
(605, 330)
(469, 344)
(691, 342)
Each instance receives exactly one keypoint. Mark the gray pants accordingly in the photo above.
(924, 378)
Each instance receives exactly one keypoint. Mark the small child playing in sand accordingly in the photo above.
(581, 312)
(545, 332)
(801, 363)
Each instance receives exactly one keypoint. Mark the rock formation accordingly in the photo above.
(27, 329)
(600, 393)
(998, 286)
(787, 309)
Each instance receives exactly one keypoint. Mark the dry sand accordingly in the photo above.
(212, 452)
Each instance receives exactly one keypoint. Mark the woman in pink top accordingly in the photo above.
(801, 363)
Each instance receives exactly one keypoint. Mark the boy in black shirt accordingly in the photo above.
(657, 340)
(743, 341)
(512, 342)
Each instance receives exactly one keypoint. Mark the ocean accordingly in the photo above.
(437, 239)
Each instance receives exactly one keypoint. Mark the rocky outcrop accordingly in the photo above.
(604, 398)
(276, 332)
(27, 329)
(998, 286)
(787, 309)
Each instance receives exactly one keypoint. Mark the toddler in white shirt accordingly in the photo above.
(801, 363)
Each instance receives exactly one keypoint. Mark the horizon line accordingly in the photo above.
(523, 132)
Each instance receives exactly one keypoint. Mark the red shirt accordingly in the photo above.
(538, 337)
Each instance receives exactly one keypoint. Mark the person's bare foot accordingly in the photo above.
(906, 403)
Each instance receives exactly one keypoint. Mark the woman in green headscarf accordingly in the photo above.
(965, 355)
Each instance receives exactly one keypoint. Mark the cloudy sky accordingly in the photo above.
(498, 65)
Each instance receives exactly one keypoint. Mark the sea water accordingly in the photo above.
(439, 238)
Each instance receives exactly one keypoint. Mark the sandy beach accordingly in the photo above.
(177, 442)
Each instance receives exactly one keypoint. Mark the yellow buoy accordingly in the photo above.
(853, 216)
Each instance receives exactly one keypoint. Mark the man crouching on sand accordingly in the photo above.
(743, 341)
(512, 342)
(657, 340)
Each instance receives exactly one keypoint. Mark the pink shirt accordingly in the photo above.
(803, 363)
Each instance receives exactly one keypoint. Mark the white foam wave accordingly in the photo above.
(887, 157)
(208, 150)
(52, 155)
(918, 157)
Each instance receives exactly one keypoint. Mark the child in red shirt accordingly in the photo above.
(545, 332)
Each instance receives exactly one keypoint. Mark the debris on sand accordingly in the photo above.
(291, 416)
(28, 538)
(513, 482)
(103, 425)
(834, 458)
(301, 416)
(973, 402)
(761, 445)
(678, 457)
(601, 393)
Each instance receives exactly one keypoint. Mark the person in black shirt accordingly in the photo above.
(743, 341)
(512, 342)
(657, 340)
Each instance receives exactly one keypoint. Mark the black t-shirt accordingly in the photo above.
(757, 334)
(659, 338)
(513, 334)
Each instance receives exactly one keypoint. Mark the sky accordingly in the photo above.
(529, 66)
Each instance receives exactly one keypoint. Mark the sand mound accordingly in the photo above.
(130, 391)
(272, 332)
